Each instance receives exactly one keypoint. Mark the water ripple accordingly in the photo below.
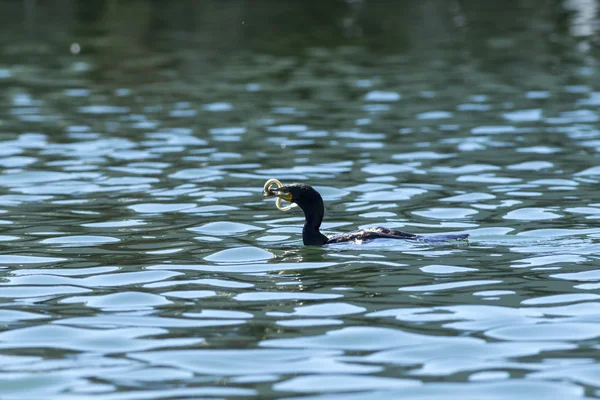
(253, 361)
(139, 259)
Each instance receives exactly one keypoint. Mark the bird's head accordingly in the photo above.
(301, 194)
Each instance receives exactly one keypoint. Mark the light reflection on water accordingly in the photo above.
(139, 256)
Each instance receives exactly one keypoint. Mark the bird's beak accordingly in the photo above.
(283, 193)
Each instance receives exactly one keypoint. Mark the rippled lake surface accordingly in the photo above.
(138, 259)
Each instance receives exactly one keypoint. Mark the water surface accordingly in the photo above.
(139, 260)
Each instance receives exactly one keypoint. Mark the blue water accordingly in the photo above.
(139, 260)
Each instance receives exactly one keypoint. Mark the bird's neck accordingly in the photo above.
(310, 233)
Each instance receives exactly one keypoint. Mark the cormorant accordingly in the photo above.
(311, 202)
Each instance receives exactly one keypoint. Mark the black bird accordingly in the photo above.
(311, 202)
